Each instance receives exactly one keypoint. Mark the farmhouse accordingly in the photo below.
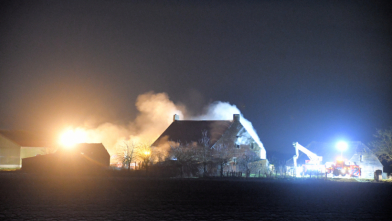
(231, 133)
(356, 153)
(16, 145)
(84, 157)
(218, 131)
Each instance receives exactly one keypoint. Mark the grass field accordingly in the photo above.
(31, 197)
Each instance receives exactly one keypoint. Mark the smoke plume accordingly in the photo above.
(224, 111)
(156, 112)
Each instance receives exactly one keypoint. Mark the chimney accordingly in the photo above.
(176, 117)
(236, 117)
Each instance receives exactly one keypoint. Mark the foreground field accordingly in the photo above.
(28, 197)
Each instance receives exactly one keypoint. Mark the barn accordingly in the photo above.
(16, 145)
(84, 158)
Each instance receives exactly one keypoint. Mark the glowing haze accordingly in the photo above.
(156, 112)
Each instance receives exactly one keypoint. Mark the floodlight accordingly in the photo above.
(342, 146)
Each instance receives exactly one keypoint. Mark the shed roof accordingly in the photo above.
(90, 149)
(187, 131)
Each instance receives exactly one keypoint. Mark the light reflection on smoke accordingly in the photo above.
(156, 112)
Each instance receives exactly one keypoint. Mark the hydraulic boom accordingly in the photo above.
(313, 158)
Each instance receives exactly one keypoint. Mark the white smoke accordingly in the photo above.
(156, 112)
(224, 111)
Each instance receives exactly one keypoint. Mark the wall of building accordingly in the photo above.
(368, 163)
(9, 153)
(240, 139)
(239, 142)
(31, 152)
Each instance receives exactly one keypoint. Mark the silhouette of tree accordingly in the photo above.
(382, 145)
(204, 151)
(222, 155)
(185, 156)
(126, 153)
(246, 159)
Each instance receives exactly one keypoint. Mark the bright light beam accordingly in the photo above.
(342, 146)
(71, 137)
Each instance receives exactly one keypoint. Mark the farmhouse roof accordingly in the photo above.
(25, 138)
(187, 131)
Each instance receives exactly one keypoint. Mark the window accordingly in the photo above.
(360, 158)
(252, 145)
(238, 146)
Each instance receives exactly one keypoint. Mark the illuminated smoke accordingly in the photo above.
(224, 111)
(156, 112)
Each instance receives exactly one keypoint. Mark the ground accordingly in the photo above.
(32, 197)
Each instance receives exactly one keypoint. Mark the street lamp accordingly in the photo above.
(342, 146)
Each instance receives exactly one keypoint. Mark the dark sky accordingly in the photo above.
(299, 71)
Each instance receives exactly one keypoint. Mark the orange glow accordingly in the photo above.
(71, 137)
(339, 159)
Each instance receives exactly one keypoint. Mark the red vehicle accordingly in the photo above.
(340, 168)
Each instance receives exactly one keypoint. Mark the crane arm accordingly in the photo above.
(312, 156)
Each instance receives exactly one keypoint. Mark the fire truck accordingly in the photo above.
(342, 168)
(313, 166)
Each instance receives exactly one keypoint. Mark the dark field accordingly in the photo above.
(28, 197)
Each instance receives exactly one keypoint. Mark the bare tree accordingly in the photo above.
(143, 153)
(222, 155)
(185, 156)
(246, 159)
(126, 153)
(382, 145)
(275, 162)
(204, 151)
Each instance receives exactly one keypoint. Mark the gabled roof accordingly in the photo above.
(25, 138)
(90, 149)
(186, 131)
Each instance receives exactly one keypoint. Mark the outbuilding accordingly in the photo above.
(16, 145)
(84, 158)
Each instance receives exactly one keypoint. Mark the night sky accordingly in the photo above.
(298, 70)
